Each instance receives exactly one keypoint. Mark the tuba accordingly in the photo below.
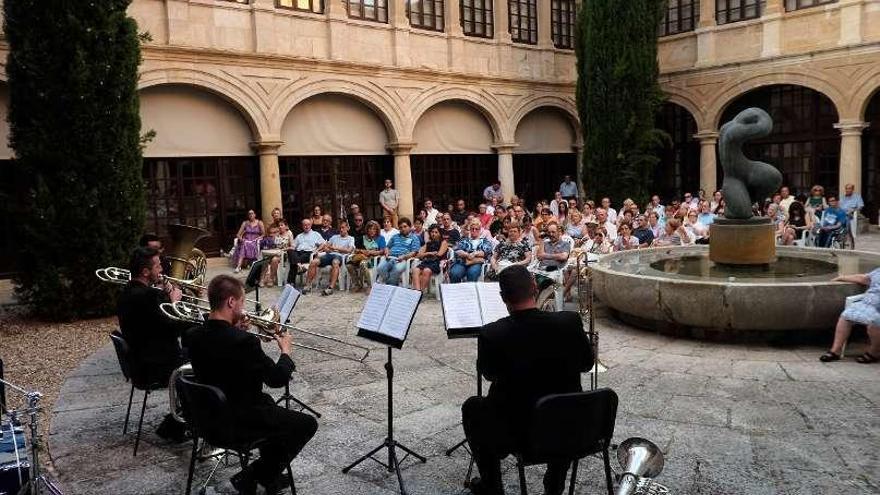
(186, 371)
(641, 461)
(187, 262)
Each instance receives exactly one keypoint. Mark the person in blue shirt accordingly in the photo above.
(401, 247)
(471, 253)
(832, 221)
(851, 201)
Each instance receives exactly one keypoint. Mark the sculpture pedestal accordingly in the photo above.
(742, 242)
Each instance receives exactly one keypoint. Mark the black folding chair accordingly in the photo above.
(567, 428)
(132, 374)
(207, 412)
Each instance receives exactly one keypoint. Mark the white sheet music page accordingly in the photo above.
(287, 309)
(374, 309)
(461, 306)
(400, 312)
(282, 299)
(491, 306)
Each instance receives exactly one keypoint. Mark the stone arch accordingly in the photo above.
(487, 106)
(377, 101)
(731, 92)
(248, 104)
(564, 105)
(863, 95)
(686, 101)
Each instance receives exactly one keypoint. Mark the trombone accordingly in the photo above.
(265, 324)
(122, 276)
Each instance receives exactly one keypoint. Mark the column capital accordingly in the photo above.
(400, 147)
(707, 137)
(851, 127)
(504, 148)
(267, 147)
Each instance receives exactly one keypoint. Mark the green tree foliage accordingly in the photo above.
(75, 125)
(618, 96)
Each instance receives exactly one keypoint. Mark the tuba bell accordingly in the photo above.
(187, 262)
(641, 461)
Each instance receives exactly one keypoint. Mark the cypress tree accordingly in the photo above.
(74, 127)
(618, 95)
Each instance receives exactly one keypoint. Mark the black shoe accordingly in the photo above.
(277, 485)
(244, 482)
(477, 487)
(172, 430)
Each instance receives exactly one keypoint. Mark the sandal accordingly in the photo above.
(327, 291)
(867, 358)
(829, 356)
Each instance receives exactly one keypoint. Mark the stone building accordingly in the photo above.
(295, 103)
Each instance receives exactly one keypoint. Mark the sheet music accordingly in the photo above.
(374, 309)
(461, 305)
(399, 314)
(285, 293)
(287, 309)
(492, 308)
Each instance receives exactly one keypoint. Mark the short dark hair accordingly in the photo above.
(404, 220)
(141, 257)
(148, 238)
(517, 284)
(221, 288)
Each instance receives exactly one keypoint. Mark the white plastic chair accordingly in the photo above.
(342, 281)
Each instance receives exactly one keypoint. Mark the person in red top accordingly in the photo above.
(484, 216)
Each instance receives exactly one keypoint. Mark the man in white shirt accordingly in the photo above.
(330, 254)
(610, 212)
(300, 252)
(786, 199)
(554, 205)
(604, 220)
(494, 191)
(851, 200)
(568, 188)
(389, 199)
(432, 212)
(657, 207)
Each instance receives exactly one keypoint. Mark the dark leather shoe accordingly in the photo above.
(244, 482)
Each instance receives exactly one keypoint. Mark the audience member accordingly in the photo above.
(364, 257)
(562, 212)
(654, 224)
(448, 230)
(304, 244)
(494, 191)
(331, 254)
(625, 240)
(326, 228)
(484, 216)
(706, 217)
(606, 223)
(599, 243)
(249, 235)
(610, 213)
(459, 215)
(673, 234)
(398, 251)
(798, 222)
(388, 230)
(816, 202)
(866, 311)
(317, 216)
(470, 254)
(513, 250)
(785, 198)
(554, 204)
(851, 201)
(832, 221)
(431, 255)
(432, 213)
(276, 218)
(353, 211)
(389, 200)
(419, 231)
(568, 188)
(642, 231)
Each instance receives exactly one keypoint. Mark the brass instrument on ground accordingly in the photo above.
(585, 308)
(641, 461)
(265, 323)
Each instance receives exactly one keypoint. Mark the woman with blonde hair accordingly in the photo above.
(362, 260)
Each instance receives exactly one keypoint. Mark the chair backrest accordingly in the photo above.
(205, 409)
(571, 426)
(122, 353)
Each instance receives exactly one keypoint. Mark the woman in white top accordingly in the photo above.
(625, 240)
(696, 230)
(388, 231)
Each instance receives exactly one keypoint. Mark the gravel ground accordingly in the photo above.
(39, 355)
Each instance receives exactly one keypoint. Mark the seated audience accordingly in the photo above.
(448, 231)
(625, 240)
(832, 222)
(470, 254)
(317, 216)
(330, 254)
(575, 227)
(459, 215)
(419, 231)
(326, 229)
(816, 202)
(300, 252)
(249, 235)
(866, 312)
(642, 231)
(364, 257)
(673, 234)
(697, 232)
(514, 250)
(282, 240)
(431, 255)
(276, 218)
(398, 251)
(798, 222)
(599, 243)
(388, 230)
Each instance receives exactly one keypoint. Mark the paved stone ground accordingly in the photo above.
(732, 419)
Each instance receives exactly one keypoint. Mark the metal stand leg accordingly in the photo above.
(463, 443)
(137, 439)
(287, 397)
(522, 477)
(128, 411)
(574, 475)
(192, 465)
(607, 471)
(390, 443)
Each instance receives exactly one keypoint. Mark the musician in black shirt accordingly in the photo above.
(153, 241)
(225, 356)
(526, 356)
(152, 337)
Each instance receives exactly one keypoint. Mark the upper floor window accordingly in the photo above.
(316, 6)
(425, 14)
(523, 19)
(803, 4)
(477, 18)
(562, 15)
(681, 16)
(368, 10)
(727, 11)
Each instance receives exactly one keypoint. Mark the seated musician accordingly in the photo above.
(225, 356)
(152, 337)
(526, 356)
(152, 241)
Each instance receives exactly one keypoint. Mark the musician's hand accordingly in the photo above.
(244, 323)
(285, 342)
(175, 294)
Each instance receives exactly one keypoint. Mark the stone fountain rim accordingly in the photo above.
(603, 266)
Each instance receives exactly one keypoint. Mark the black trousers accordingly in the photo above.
(493, 436)
(295, 258)
(287, 433)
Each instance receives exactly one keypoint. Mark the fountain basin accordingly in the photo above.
(680, 291)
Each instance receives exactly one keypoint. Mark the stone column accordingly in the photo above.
(270, 183)
(502, 22)
(772, 28)
(850, 153)
(505, 169)
(708, 165)
(851, 22)
(545, 40)
(403, 177)
(706, 33)
(398, 20)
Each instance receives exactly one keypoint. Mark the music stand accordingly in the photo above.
(384, 296)
(463, 443)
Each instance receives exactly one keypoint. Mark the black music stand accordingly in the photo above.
(389, 443)
(463, 443)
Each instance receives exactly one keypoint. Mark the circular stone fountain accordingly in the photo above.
(680, 290)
